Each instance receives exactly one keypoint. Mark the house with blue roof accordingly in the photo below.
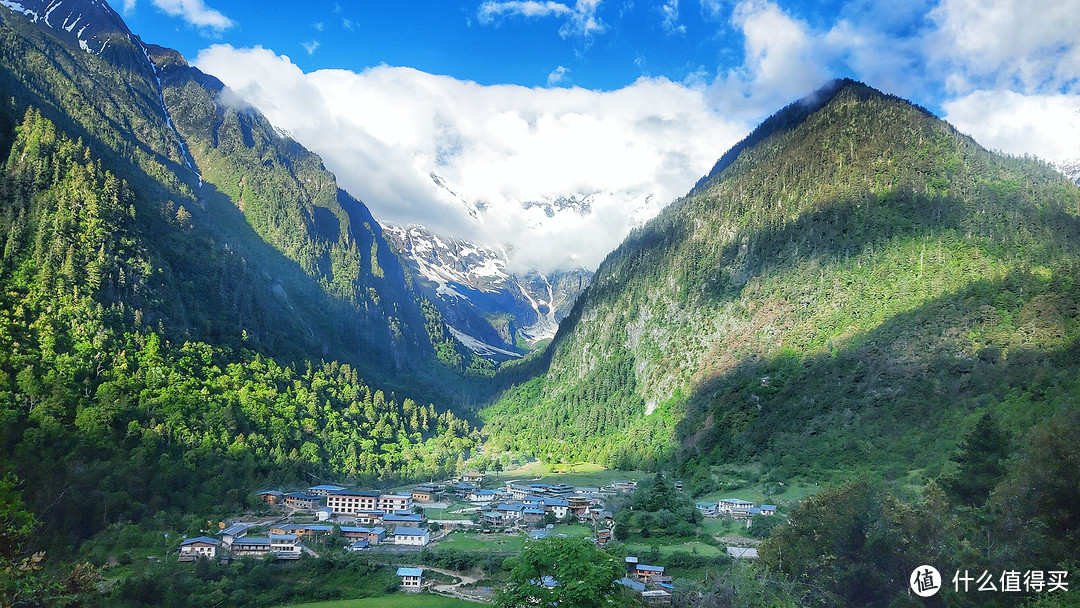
(411, 578)
(417, 537)
(360, 544)
(303, 502)
(285, 546)
(708, 509)
(200, 546)
(372, 535)
(482, 497)
(323, 490)
(271, 497)
(646, 572)
(370, 517)
(768, 509)
(251, 546)
(228, 535)
(517, 492)
(396, 519)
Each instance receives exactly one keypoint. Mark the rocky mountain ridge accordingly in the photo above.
(493, 310)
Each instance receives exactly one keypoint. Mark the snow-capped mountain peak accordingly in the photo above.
(493, 311)
(91, 24)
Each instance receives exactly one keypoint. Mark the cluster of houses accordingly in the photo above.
(734, 508)
(370, 518)
(519, 504)
(234, 542)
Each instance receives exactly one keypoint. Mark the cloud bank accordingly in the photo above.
(490, 163)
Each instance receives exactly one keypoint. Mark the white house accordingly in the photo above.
(734, 507)
(285, 546)
(482, 497)
(417, 537)
(411, 578)
(253, 546)
(395, 503)
(202, 546)
(348, 502)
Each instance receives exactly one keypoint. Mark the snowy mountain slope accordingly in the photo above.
(497, 313)
(91, 24)
(1070, 168)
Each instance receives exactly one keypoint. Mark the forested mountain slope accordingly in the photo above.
(189, 306)
(853, 284)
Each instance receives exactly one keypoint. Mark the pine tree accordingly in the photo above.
(981, 461)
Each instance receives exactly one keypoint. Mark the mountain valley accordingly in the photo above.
(859, 309)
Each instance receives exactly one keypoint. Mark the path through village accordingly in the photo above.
(455, 590)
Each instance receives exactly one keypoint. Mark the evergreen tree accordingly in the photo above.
(981, 462)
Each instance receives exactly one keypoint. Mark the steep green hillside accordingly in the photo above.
(852, 285)
(170, 340)
(269, 252)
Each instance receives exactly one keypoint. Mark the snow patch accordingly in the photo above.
(480, 348)
(19, 8)
(188, 160)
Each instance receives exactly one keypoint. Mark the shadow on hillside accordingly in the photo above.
(896, 398)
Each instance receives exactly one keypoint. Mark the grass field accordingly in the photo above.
(483, 542)
(792, 492)
(448, 512)
(693, 547)
(397, 600)
(579, 474)
(723, 526)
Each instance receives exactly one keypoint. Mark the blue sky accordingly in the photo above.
(625, 102)
(627, 39)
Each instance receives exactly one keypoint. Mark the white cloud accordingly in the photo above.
(491, 11)
(558, 75)
(194, 12)
(385, 130)
(1028, 45)
(714, 9)
(670, 12)
(311, 46)
(129, 5)
(581, 20)
(1047, 126)
(783, 61)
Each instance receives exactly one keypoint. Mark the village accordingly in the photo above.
(450, 514)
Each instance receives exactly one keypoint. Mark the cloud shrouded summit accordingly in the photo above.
(490, 162)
